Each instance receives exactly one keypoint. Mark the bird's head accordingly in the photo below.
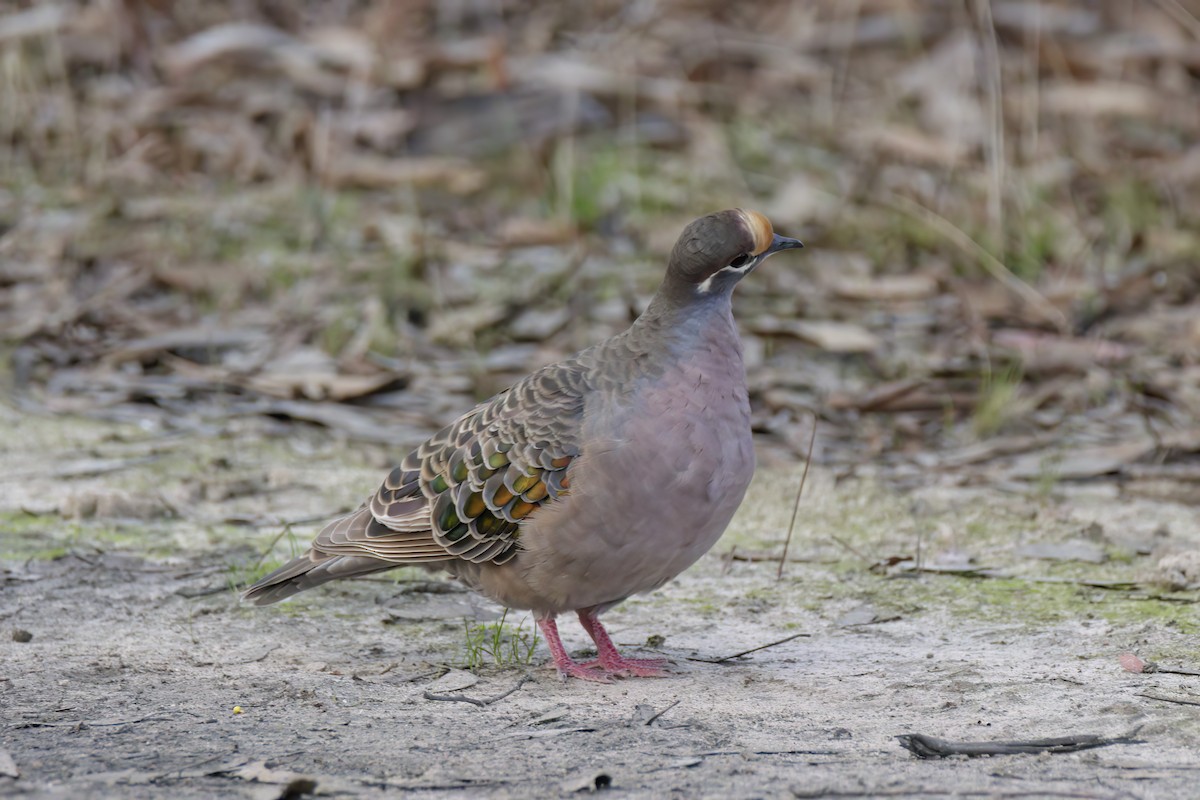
(715, 252)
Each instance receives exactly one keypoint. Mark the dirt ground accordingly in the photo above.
(145, 676)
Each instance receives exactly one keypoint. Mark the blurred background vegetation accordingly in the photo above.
(369, 215)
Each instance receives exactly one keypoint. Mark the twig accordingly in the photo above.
(487, 701)
(38, 724)
(723, 659)
(754, 557)
(923, 792)
(725, 566)
(796, 508)
(708, 753)
(258, 658)
(1188, 672)
(660, 713)
(1178, 700)
(923, 746)
(853, 550)
(1151, 666)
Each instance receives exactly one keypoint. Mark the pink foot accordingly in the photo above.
(583, 672)
(636, 667)
(610, 660)
(567, 667)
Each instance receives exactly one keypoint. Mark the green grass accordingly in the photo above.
(1131, 205)
(45, 537)
(499, 643)
(1035, 246)
(240, 575)
(998, 400)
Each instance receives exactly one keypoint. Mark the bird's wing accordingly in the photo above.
(464, 492)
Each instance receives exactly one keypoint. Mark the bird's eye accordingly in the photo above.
(740, 261)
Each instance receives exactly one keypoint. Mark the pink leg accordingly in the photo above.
(567, 666)
(609, 660)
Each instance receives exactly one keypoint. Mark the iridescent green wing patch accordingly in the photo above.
(493, 468)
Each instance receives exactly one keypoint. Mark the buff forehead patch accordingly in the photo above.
(760, 228)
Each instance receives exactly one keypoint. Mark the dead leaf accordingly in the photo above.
(367, 171)
(459, 326)
(1047, 352)
(319, 385)
(537, 324)
(1081, 462)
(220, 42)
(525, 231)
(1100, 99)
(911, 145)
(834, 337)
(886, 287)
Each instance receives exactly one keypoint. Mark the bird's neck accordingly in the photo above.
(672, 322)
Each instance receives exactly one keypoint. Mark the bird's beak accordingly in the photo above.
(782, 243)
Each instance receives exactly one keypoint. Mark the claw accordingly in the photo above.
(583, 672)
(610, 660)
(634, 667)
(568, 667)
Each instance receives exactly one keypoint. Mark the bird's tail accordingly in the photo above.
(309, 570)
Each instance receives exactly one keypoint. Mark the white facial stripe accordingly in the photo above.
(705, 286)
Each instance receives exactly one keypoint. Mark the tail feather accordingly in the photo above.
(305, 572)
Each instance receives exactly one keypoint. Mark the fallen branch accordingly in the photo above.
(486, 701)
(723, 659)
(923, 746)
(86, 724)
(1177, 700)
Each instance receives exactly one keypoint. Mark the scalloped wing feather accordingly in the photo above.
(465, 491)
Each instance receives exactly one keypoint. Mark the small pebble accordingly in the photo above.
(22, 636)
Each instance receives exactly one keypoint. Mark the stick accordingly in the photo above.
(796, 508)
(36, 724)
(723, 659)
(853, 550)
(487, 701)
(930, 747)
(660, 713)
(1179, 700)
(989, 793)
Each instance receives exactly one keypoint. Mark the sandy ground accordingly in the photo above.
(119, 548)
